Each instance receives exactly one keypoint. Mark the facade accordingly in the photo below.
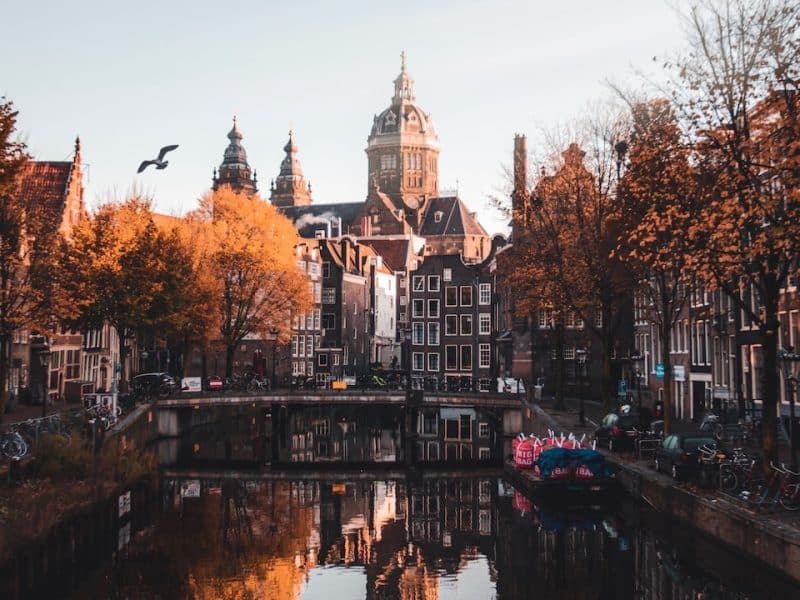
(306, 328)
(57, 188)
(451, 304)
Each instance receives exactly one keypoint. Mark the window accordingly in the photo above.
(451, 325)
(598, 319)
(329, 295)
(418, 283)
(317, 293)
(429, 423)
(466, 324)
(418, 308)
(335, 359)
(466, 295)
(301, 345)
(451, 295)
(328, 321)
(316, 319)
(451, 358)
(419, 361)
(310, 320)
(484, 324)
(485, 293)
(419, 334)
(433, 334)
(466, 358)
(294, 345)
(545, 318)
(309, 345)
(433, 308)
(483, 429)
(326, 269)
(433, 283)
(322, 360)
(447, 274)
(484, 356)
(433, 361)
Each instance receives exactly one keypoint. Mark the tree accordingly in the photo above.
(248, 251)
(576, 213)
(114, 269)
(659, 200)
(26, 265)
(737, 92)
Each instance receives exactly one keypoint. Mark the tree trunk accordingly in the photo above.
(666, 360)
(123, 371)
(185, 348)
(230, 350)
(5, 368)
(558, 335)
(606, 383)
(770, 379)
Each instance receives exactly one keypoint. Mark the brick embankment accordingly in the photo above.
(770, 537)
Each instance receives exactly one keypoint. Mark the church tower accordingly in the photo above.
(234, 170)
(290, 187)
(403, 151)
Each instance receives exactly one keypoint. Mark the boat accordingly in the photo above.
(560, 468)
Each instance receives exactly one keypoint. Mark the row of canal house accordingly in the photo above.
(716, 352)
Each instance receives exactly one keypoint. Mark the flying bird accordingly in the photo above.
(159, 162)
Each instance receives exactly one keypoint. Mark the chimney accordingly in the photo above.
(519, 197)
(343, 245)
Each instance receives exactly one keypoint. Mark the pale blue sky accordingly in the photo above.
(130, 77)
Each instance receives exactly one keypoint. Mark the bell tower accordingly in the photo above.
(234, 170)
(290, 187)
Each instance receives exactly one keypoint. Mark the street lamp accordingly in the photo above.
(638, 360)
(44, 361)
(274, 333)
(789, 361)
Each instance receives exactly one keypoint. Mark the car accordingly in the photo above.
(152, 384)
(618, 430)
(679, 453)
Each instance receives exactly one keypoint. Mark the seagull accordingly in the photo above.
(159, 162)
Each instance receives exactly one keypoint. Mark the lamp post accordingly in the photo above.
(44, 361)
(637, 359)
(789, 361)
(274, 333)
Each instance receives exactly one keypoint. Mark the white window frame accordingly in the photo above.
(418, 327)
(418, 361)
(434, 333)
(433, 362)
(485, 294)
(418, 283)
(462, 289)
(417, 314)
(447, 274)
(434, 314)
(485, 356)
(328, 295)
(484, 324)
(433, 283)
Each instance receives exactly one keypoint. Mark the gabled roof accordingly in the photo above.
(46, 183)
(454, 219)
(396, 252)
(309, 218)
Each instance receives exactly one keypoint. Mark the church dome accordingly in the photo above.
(404, 120)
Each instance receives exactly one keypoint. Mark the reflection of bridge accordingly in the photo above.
(329, 398)
(326, 476)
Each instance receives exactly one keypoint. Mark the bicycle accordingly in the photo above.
(12, 445)
(790, 491)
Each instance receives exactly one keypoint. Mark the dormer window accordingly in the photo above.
(437, 216)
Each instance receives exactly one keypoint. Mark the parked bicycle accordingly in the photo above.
(12, 445)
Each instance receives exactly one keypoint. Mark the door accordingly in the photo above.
(698, 398)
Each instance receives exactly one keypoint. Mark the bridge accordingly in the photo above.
(341, 397)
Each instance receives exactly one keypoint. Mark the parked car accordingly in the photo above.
(153, 384)
(679, 453)
(618, 430)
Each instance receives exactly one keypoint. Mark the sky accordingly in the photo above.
(130, 77)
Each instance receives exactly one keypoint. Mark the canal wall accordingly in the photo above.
(767, 539)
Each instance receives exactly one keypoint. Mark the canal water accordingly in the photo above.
(224, 528)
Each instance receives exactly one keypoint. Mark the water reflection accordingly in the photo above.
(411, 538)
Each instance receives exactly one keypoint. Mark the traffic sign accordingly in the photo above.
(660, 370)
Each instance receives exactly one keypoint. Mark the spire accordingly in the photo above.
(77, 158)
(234, 170)
(290, 188)
(404, 84)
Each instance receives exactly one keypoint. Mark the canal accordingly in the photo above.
(220, 525)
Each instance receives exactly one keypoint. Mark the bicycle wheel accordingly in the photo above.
(728, 481)
(790, 497)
